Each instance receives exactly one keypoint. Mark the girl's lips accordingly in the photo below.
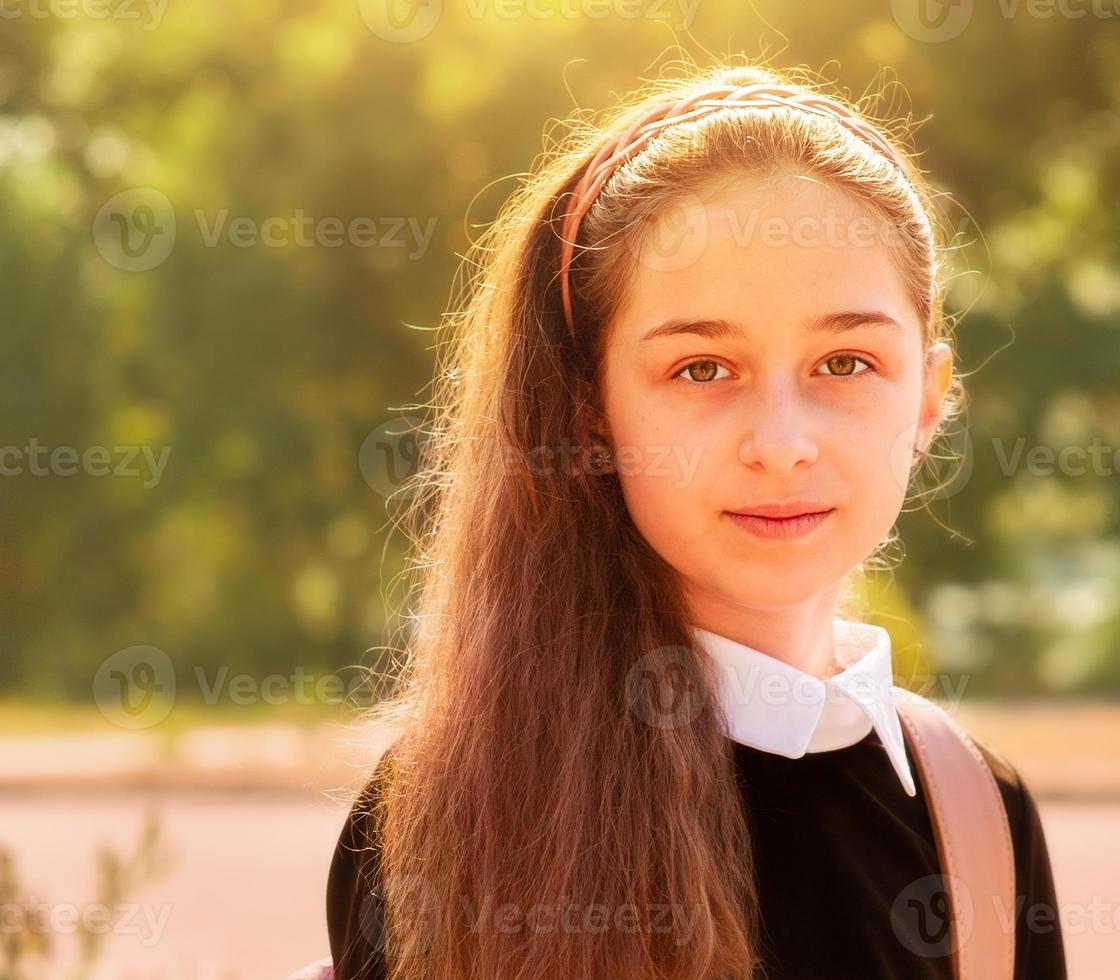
(779, 528)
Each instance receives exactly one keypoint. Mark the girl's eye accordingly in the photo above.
(840, 366)
(847, 366)
(700, 372)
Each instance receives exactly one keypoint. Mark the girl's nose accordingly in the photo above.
(777, 432)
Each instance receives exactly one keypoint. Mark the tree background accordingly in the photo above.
(263, 546)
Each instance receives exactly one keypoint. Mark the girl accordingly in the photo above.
(703, 358)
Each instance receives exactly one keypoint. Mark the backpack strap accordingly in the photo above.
(973, 838)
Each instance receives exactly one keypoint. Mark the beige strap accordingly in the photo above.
(973, 839)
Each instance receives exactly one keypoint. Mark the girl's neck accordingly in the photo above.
(801, 636)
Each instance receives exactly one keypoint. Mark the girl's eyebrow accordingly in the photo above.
(826, 322)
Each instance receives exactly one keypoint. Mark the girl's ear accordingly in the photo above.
(591, 427)
(592, 436)
(938, 378)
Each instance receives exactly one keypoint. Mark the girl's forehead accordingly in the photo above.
(753, 229)
(775, 288)
(791, 195)
(772, 253)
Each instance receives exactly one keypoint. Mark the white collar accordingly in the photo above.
(776, 707)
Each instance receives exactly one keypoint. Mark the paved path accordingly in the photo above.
(245, 898)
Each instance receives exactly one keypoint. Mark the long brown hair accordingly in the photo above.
(538, 815)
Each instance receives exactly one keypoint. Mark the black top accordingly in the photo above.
(846, 865)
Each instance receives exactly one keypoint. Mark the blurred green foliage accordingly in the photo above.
(264, 359)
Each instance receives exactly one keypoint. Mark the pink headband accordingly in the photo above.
(622, 147)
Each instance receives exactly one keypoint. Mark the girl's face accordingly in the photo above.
(770, 355)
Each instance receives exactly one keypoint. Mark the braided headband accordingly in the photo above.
(621, 148)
